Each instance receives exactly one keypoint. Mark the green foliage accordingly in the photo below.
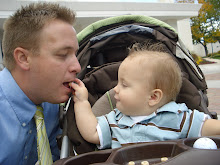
(185, 1)
(215, 13)
(215, 55)
(205, 27)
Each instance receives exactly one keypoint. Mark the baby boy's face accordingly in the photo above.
(131, 91)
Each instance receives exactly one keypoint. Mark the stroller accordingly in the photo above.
(102, 47)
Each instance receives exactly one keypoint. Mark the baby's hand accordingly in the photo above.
(80, 92)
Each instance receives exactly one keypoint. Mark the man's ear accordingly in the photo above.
(21, 56)
(155, 97)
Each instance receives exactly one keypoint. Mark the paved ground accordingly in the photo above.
(212, 75)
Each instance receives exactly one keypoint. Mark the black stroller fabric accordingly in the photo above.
(102, 47)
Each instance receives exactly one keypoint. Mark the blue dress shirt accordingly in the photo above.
(17, 127)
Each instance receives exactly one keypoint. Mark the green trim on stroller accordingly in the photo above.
(118, 19)
(110, 100)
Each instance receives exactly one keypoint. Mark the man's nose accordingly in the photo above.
(74, 66)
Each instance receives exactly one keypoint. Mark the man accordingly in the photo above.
(39, 46)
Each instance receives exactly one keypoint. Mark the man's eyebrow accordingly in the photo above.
(67, 48)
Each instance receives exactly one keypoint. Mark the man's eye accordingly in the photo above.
(62, 55)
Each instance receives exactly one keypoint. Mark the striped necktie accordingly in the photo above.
(43, 147)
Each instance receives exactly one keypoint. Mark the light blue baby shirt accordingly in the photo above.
(170, 122)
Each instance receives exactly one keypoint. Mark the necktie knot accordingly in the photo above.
(39, 113)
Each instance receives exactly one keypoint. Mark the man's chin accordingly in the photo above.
(64, 99)
(59, 100)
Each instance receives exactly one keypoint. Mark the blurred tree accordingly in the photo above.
(185, 1)
(215, 18)
(205, 27)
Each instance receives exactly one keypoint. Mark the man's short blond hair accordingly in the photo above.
(165, 73)
(23, 28)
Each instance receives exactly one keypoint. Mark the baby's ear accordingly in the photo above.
(155, 97)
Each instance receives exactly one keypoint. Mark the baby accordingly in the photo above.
(149, 80)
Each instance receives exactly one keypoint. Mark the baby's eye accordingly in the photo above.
(124, 85)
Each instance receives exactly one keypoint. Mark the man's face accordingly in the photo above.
(56, 65)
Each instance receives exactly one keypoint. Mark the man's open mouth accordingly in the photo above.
(66, 84)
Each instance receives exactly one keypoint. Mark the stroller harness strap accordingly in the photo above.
(43, 146)
(110, 101)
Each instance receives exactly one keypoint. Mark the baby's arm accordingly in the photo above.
(85, 119)
(211, 127)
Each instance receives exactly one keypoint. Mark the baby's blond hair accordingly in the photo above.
(166, 73)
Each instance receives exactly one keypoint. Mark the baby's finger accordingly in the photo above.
(73, 85)
(73, 92)
(79, 82)
(76, 83)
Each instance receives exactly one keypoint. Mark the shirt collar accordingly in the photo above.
(138, 119)
(23, 107)
(172, 106)
(124, 120)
